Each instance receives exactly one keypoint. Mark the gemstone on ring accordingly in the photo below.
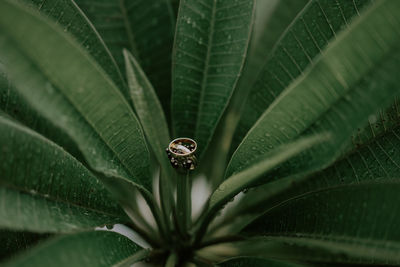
(180, 152)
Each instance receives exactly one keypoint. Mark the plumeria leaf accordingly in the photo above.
(211, 43)
(14, 105)
(327, 100)
(355, 216)
(303, 248)
(44, 189)
(70, 18)
(98, 248)
(145, 28)
(73, 92)
(250, 176)
(316, 26)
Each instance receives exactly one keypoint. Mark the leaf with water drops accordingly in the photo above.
(14, 105)
(153, 120)
(312, 249)
(73, 92)
(145, 28)
(211, 41)
(357, 219)
(316, 26)
(271, 19)
(377, 159)
(147, 107)
(98, 248)
(338, 93)
(253, 175)
(71, 19)
(248, 177)
(44, 189)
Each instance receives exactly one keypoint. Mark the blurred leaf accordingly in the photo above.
(210, 47)
(248, 177)
(71, 19)
(44, 189)
(73, 92)
(361, 216)
(255, 262)
(138, 256)
(81, 249)
(152, 118)
(244, 179)
(307, 36)
(13, 242)
(375, 160)
(145, 28)
(310, 249)
(271, 19)
(148, 108)
(340, 90)
(16, 106)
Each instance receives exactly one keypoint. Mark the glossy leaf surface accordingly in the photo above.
(360, 215)
(71, 19)
(44, 189)
(307, 36)
(145, 28)
(210, 46)
(72, 91)
(331, 88)
(82, 249)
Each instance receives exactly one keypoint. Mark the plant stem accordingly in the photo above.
(183, 188)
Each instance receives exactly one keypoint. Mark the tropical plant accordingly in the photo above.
(293, 105)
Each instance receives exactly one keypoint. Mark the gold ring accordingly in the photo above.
(181, 155)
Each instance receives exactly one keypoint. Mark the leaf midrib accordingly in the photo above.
(95, 66)
(328, 188)
(300, 79)
(379, 243)
(128, 28)
(55, 199)
(206, 65)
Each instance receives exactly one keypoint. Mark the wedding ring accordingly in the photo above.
(181, 155)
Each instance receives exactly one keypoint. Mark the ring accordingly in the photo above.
(180, 153)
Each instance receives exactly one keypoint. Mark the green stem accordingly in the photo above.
(183, 188)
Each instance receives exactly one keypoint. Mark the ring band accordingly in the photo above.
(180, 152)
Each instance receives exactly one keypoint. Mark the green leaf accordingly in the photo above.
(68, 16)
(311, 31)
(244, 179)
(137, 257)
(303, 248)
(255, 262)
(271, 19)
(361, 216)
(127, 194)
(248, 177)
(73, 92)
(44, 189)
(13, 242)
(375, 160)
(153, 120)
(340, 90)
(145, 28)
(14, 104)
(210, 47)
(82, 249)
(148, 108)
